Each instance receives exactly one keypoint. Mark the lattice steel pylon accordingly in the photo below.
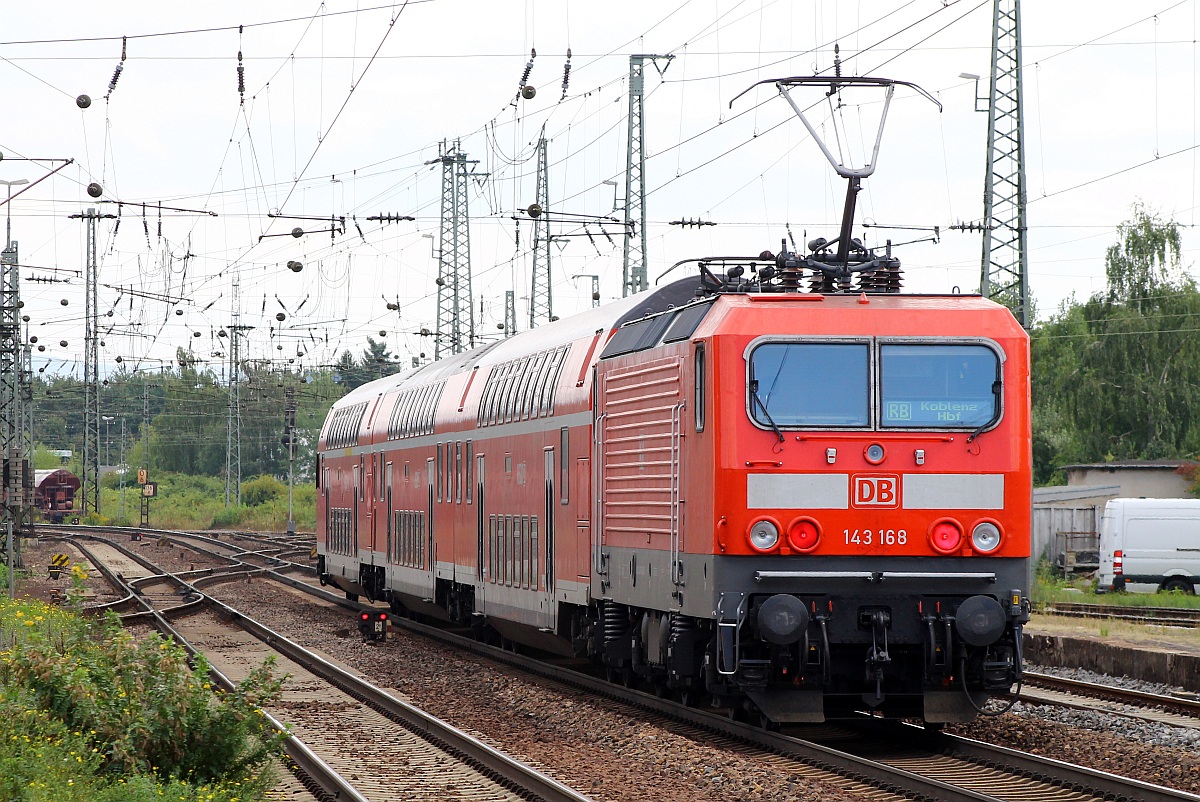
(541, 301)
(633, 274)
(456, 316)
(510, 313)
(233, 429)
(90, 481)
(1005, 276)
(13, 450)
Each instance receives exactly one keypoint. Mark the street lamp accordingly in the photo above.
(970, 76)
(8, 206)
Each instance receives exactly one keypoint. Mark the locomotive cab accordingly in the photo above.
(836, 499)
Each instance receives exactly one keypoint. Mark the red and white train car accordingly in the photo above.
(795, 503)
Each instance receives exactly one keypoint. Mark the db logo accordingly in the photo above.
(876, 490)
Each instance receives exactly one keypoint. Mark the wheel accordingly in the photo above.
(934, 726)
(688, 697)
(1180, 585)
(764, 721)
(351, 596)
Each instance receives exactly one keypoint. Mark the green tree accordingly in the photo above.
(1145, 260)
(1116, 376)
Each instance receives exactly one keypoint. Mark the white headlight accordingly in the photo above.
(985, 537)
(764, 535)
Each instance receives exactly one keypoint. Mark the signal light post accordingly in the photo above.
(373, 625)
(289, 440)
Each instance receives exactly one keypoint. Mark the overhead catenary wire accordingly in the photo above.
(257, 185)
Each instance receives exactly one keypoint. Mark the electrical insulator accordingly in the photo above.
(566, 75)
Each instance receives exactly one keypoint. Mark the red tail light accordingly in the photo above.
(365, 616)
(1118, 562)
(803, 534)
(945, 536)
(383, 616)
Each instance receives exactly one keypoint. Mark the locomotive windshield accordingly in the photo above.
(828, 385)
(938, 386)
(810, 384)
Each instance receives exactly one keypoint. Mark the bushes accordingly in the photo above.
(262, 489)
(228, 518)
(111, 707)
(198, 502)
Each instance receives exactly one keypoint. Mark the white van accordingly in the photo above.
(1149, 544)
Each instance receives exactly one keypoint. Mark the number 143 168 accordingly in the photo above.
(875, 537)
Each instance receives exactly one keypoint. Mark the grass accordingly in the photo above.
(198, 502)
(1047, 587)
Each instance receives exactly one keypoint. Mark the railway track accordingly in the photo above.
(388, 746)
(1164, 616)
(905, 758)
(1175, 711)
(872, 760)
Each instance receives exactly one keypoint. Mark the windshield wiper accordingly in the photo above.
(763, 407)
(996, 387)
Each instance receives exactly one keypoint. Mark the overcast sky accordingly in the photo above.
(345, 103)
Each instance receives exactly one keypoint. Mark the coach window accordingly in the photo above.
(817, 384)
(549, 379)
(469, 465)
(529, 387)
(438, 470)
(698, 400)
(564, 464)
(458, 472)
(497, 394)
(511, 392)
(491, 566)
(502, 556)
(941, 386)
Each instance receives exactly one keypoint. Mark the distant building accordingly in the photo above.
(1066, 519)
(1135, 478)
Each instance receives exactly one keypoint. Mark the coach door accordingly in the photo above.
(372, 488)
(581, 557)
(544, 579)
(388, 516)
(430, 562)
(481, 537)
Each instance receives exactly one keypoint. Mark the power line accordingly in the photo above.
(189, 31)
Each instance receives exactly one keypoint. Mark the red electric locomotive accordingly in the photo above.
(781, 485)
